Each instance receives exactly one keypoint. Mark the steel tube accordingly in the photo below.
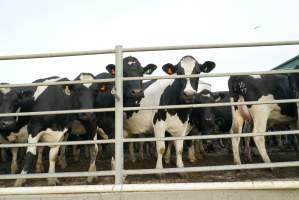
(119, 154)
(213, 168)
(155, 48)
(57, 175)
(68, 143)
(57, 83)
(196, 137)
(59, 112)
(151, 78)
(154, 187)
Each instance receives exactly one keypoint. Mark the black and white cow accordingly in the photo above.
(52, 128)
(133, 92)
(14, 129)
(262, 88)
(168, 92)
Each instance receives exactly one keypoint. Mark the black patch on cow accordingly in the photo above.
(29, 162)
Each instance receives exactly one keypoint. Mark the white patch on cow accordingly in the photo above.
(255, 76)
(41, 89)
(203, 86)
(48, 135)
(131, 62)
(86, 77)
(206, 95)
(5, 90)
(141, 122)
(17, 111)
(188, 64)
(19, 137)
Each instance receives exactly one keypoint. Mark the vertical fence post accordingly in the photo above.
(119, 154)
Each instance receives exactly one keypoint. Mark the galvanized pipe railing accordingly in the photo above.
(157, 48)
(109, 141)
(151, 78)
(60, 112)
(119, 107)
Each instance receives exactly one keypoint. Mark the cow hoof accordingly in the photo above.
(53, 181)
(183, 175)
(39, 168)
(193, 160)
(133, 159)
(91, 179)
(20, 182)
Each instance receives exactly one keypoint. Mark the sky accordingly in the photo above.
(35, 26)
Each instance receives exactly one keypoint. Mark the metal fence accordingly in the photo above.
(119, 171)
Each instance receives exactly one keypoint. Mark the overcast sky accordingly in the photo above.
(35, 26)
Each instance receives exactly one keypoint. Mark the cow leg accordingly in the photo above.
(93, 151)
(141, 151)
(86, 152)
(168, 152)
(191, 153)
(260, 114)
(236, 149)
(61, 158)
(247, 150)
(159, 129)
(39, 167)
(76, 153)
(14, 161)
(29, 158)
(197, 147)
(132, 152)
(52, 161)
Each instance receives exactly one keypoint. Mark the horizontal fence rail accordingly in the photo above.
(158, 48)
(203, 105)
(119, 171)
(109, 141)
(290, 71)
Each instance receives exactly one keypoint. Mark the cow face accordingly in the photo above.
(187, 66)
(11, 101)
(132, 68)
(83, 96)
(204, 117)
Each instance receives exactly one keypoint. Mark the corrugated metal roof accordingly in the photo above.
(289, 64)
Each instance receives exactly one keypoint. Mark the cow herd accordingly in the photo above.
(159, 122)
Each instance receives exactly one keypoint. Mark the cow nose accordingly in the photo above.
(189, 93)
(137, 92)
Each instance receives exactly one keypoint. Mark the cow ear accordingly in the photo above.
(218, 96)
(111, 69)
(207, 66)
(149, 69)
(169, 68)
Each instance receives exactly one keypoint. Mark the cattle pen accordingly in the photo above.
(260, 189)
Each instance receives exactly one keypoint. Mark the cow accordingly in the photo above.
(14, 129)
(168, 92)
(52, 128)
(133, 91)
(262, 88)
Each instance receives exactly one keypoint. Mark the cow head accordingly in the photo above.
(83, 96)
(204, 118)
(188, 66)
(104, 97)
(132, 90)
(11, 101)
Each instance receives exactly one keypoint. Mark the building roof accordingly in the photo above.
(289, 64)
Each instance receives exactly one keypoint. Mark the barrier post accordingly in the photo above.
(119, 154)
